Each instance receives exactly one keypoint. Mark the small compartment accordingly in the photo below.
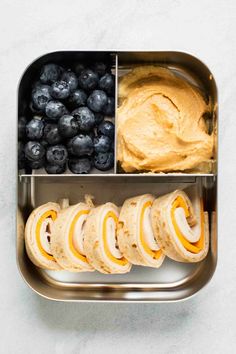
(185, 72)
(70, 60)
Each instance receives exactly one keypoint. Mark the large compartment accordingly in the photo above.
(173, 281)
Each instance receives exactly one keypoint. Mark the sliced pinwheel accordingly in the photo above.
(68, 243)
(181, 226)
(135, 235)
(38, 236)
(100, 242)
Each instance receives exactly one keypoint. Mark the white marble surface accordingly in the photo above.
(204, 324)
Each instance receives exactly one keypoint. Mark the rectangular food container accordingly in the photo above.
(173, 281)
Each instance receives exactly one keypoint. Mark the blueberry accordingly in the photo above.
(70, 77)
(34, 129)
(79, 67)
(99, 117)
(44, 143)
(80, 166)
(41, 95)
(55, 169)
(21, 128)
(100, 68)
(112, 145)
(97, 100)
(35, 165)
(34, 151)
(102, 144)
(37, 84)
(77, 98)
(34, 110)
(91, 134)
(106, 128)
(82, 145)
(55, 109)
(21, 155)
(68, 126)
(57, 155)
(109, 109)
(50, 73)
(85, 118)
(107, 83)
(60, 90)
(104, 161)
(69, 147)
(51, 134)
(88, 80)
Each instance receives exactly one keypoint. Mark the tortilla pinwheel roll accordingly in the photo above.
(68, 242)
(38, 236)
(181, 226)
(100, 241)
(136, 239)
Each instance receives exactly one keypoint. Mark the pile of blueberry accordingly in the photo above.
(70, 123)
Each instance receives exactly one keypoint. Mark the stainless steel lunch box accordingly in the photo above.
(173, 281)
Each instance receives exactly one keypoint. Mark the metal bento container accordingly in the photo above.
(173, 281)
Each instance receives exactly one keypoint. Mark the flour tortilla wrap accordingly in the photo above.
(68, 245)
(100, 241)
(181, 226)
(135, 235)
(38, 236)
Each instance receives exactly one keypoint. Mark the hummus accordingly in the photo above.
(161, 125)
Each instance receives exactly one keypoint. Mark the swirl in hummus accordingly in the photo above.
(161, 125)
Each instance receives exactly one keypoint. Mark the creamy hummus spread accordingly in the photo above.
(161, 125)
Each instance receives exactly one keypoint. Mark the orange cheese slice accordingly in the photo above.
(195, 247)
(48, 214)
